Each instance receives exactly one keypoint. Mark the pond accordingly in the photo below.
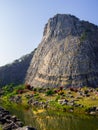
(51, 120)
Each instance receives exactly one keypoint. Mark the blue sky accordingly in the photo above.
(22, 22)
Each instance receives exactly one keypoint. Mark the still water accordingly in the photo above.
(49, 120)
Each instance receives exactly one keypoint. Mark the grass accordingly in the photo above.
(0, 127)
(89, 102)
(52, 97)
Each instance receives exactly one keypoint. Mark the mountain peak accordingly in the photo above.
(60, 26)
(67, 55)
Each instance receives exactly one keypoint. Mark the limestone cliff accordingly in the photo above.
(67, 54)
(16, 71)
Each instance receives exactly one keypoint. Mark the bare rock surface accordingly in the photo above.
(16, 71)
(67, 54)
(26, 128)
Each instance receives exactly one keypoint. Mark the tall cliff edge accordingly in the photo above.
(67, 54)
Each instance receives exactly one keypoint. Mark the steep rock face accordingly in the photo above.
(15, 72)
(67, 55)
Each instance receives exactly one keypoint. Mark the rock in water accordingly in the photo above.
(67, 55)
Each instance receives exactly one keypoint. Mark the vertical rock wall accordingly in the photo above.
(67, 54)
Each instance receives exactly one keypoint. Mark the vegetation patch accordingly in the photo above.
(74, 100)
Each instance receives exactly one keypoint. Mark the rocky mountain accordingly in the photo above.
(67, 54)
(16, 71)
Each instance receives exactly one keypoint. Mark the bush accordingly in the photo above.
(18, 88)
(8, 89)
(58, 97)
(61, 93)
(27, 86)
(49, 92)
(35, 89)
(83, 36)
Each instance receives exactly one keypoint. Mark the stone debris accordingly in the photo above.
(10, 122)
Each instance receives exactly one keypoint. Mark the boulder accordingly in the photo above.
(26, 128)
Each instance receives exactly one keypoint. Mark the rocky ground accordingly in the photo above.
(76, 100)
(73, 99)
(9, 122)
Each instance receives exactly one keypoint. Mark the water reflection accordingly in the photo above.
(50, 120)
